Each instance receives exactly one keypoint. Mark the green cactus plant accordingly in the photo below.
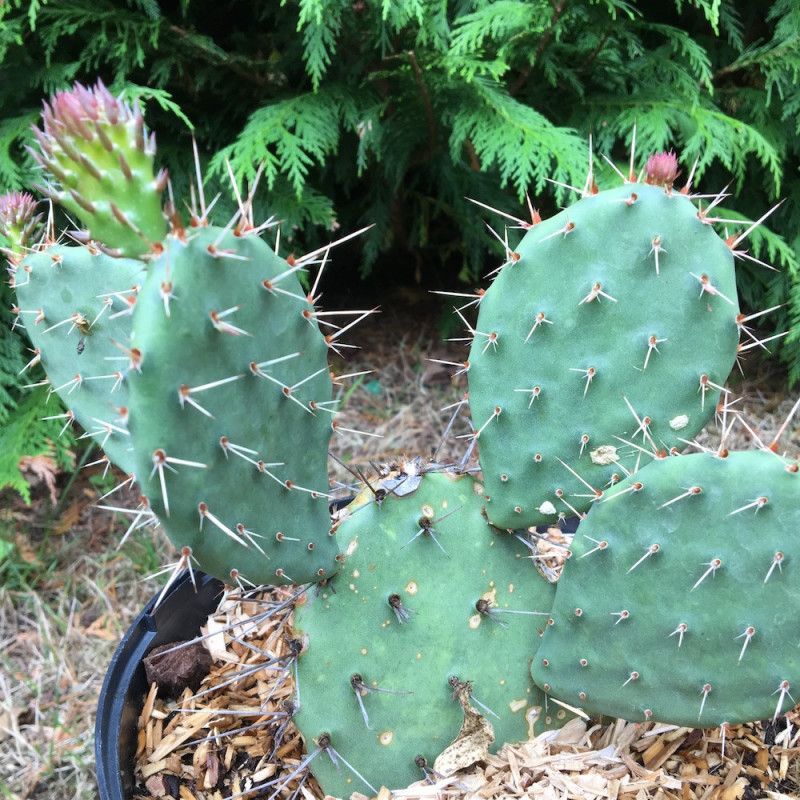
(609, 331)
(603, 343)
(428, 591)
(680, 600)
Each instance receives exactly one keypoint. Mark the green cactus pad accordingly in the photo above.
(403, 616)
(681, 601)
(231, 409)
(608, 334)
(75, 304)
(100, 158)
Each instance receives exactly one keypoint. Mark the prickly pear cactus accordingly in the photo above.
(609, 332)
(100, 158)
(75, 304)
(681, 601)
(231, 409)
(422, 605)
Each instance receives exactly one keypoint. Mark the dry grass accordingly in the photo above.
(65, 602)
(407, 399)
(67, 594)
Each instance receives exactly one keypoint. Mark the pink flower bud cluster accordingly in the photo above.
(661, 169)
(18, 220)
(89, 114)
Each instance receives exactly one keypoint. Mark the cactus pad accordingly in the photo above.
(231, 409)
(681, 601)
(610, 331)
(75, 303)
(403, 618)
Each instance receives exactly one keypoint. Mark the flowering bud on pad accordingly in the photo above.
(19, 223)
(661, 169)
(231, 409)
(404, 620)
(609, 332)
(99, 157)
(75, 303)
(681, 601)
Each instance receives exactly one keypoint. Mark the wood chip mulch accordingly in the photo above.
(233, 738)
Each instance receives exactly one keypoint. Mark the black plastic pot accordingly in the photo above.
(179, 616)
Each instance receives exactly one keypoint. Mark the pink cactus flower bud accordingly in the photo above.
(661, 169)
(16, 208)
(85, 112)
(18, 222)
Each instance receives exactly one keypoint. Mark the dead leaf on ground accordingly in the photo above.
(69, 519)
(473, 741)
